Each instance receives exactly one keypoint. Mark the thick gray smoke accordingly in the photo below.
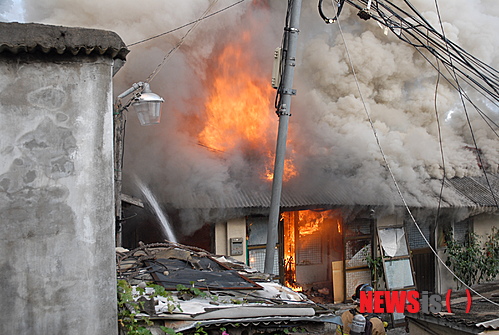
(331, 140)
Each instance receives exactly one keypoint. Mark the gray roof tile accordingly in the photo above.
(19, 38)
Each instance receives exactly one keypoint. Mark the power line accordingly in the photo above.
(465, 109)
(175, 48)
(412, 28)
(186, 25)
(388, 167)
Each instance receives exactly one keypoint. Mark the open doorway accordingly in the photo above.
(312, 245)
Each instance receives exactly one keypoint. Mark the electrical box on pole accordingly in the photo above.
(276, 69)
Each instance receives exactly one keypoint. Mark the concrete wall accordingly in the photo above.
(483, 224)
(57, 256)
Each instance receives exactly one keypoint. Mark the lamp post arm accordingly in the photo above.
(143, 97)
(140, 85)
(132, 89)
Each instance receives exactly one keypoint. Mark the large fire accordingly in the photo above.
(239, 109)
(299, 230)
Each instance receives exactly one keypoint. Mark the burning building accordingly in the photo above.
(210, 160)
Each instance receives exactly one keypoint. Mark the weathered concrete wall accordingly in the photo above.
(57, 255)
(483, 224)
(224, 231)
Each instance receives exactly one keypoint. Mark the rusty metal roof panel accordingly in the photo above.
(17, 38)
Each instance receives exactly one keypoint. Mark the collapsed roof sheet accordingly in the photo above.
(231, 297)
(211, 275)
(170, 265)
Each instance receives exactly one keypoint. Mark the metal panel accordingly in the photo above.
(458, 192)
(309, 249)
(478, 189)
(257, 259)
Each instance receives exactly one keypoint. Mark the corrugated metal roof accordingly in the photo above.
(492, 324)
(482, 314)
(19, 38)
(468, 192)
(478, 189)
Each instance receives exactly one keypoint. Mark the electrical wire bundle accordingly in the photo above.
(411, 27)
(415, 30)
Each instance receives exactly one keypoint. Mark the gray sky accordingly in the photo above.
(11, 11)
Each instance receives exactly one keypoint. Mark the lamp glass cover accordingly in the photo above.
(148, 112)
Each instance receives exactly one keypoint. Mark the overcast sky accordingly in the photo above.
(11, 11)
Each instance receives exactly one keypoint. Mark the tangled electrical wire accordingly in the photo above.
(326, 18)
(411, 27)
(461, 67)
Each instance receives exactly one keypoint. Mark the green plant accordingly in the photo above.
(161, 291)
(470, 261)
(294, 330)
(198, 331)
(375, 264)
(464, 258)
(127, 311)
(128, 307)
(169, 331)
(490, 257)
(188, 293)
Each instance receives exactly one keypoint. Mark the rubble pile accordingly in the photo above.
(178, 288)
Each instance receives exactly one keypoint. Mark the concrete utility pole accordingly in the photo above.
(283, 111)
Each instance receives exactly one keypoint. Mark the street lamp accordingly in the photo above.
(147, 105)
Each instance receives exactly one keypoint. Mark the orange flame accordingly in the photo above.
(290, 170)
(239, 108)
(297, 226)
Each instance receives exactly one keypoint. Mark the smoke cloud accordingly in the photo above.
(331, 140)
